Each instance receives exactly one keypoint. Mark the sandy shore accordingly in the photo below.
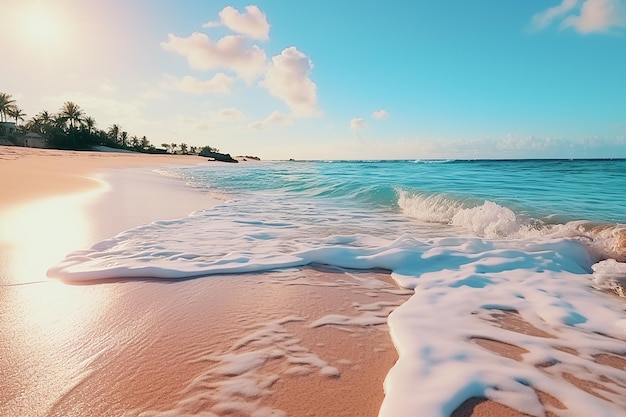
(39, 173)
(167, 348)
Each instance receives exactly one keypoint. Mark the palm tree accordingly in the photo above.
(90, 124)
(114, 133)
(124, 139)
(32, 125)
(173, 147)
(71, 113)
(45, 116)
(40, 123)
(58, 122)
(134, 142)
(16, 113)
(183, 148)
(6, 102)
(145, 143)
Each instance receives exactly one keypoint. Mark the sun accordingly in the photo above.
(42, 27)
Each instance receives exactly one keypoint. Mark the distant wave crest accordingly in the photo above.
(494, 221)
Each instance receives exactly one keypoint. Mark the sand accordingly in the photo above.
(167, 348)
(29, 173)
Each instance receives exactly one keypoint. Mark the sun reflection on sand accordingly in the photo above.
(40, 233)
(42, 320)
(33, 237)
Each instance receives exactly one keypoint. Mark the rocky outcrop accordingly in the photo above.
(247, 158)
(216, 156)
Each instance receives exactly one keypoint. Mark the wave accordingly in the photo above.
(491, 220)
(433, 161)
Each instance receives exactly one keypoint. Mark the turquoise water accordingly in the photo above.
(561, 190)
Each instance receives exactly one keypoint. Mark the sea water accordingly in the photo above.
(539, 238)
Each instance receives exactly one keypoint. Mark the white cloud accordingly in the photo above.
(251, 23)
(544, 19)
(211, 120)
(106, 87)
(380, 114)
(220, 83)
(530, 143)
(510, 146)
(598, 16)
(357, 124)
(150, 93)
(231, 52)
(288, 79)
(593, 15)
(212, 25)
(276, 118)
(186, 120)
(229, 114)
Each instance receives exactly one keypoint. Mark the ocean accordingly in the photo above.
(544, 240)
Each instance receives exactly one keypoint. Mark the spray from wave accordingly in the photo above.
(605, 242)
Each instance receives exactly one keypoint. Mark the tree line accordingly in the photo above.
(71, 128)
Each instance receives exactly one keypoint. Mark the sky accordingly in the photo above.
(347, 79)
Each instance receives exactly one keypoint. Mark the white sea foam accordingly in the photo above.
(248, 380)
(610, 274)
(458, 282)
(548, 285)
(487, 219)
(493, 221)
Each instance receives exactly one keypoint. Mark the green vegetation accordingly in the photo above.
(7, 106)
(71, 128)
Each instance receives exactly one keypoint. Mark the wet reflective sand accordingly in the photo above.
(160, 348)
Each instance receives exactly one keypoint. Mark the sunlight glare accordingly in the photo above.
(42, 27)
(41, 233)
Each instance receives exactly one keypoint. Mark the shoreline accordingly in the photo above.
(40, 173)
(101, 348)
(226, 344)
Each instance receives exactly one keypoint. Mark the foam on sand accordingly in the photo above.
(258, 373)
(459, 284)
(547, 286)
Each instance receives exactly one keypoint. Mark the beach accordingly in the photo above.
(127, 348)
(149, 329)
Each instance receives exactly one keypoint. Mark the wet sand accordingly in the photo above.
(254, 344)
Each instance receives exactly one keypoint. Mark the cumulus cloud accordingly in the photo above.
(220, 83)
(232, 52)
(598, 16)
(544, 19)
(229, 114)
(287, 78)
(380, 114)
(276, 118)
(252, 23)
(212, 120)
(357, 124)
(585, 17)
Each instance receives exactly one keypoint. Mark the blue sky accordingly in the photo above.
(348, 79)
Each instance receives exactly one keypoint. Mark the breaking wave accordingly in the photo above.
(491, 220)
